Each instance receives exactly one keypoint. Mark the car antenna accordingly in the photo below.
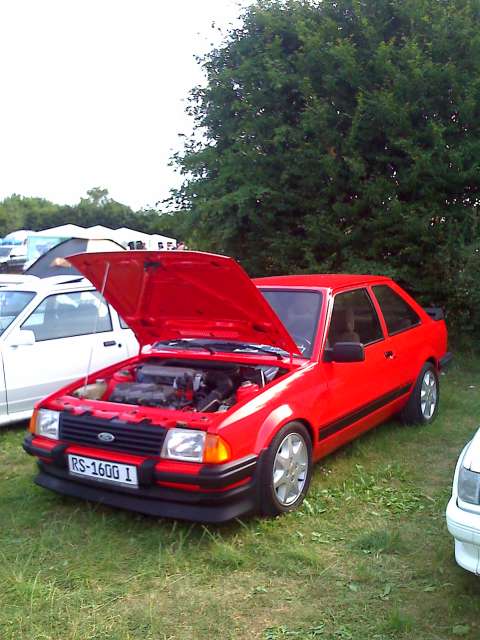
(90, 357)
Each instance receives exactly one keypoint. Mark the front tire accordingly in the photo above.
(422, 406)
(287, 470)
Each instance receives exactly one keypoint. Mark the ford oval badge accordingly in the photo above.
(106, 437)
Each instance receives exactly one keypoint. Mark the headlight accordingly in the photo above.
(469, 486)
(47, 423)
(184, 444)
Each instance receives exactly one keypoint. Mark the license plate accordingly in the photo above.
(103, 471)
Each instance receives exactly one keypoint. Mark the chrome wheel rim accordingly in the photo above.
(428, 395)
(290, 469)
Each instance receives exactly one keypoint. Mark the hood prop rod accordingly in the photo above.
(90, 357)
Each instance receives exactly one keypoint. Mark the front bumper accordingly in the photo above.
(224, 492)
(465, 528)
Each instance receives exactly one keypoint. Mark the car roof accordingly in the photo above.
(324, 280)
(20, 282)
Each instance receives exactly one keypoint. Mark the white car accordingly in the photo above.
(463, 510)
(51, 331)
(12, 257)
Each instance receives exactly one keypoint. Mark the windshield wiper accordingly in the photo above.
(232, 347)
(185, 344)
(251, 347)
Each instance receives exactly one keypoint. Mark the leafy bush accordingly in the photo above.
(344, 136)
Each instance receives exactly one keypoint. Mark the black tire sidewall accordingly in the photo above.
(269, 502)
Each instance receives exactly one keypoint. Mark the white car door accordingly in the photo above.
(126, 335)
(3, 393)
(70, 330)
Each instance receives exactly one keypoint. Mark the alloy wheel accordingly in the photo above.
(428, 395)
(290, 469)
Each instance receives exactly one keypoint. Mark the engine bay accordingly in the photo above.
(179, 384)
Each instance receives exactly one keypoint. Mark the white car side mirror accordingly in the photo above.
(23, 338)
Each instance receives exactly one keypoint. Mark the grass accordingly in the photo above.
(367, 557)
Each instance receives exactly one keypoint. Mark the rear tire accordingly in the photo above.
(287, 470)
(422, 406)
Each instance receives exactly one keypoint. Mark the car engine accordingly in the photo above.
(188, 385)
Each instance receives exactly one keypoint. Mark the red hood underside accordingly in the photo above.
(166, 295)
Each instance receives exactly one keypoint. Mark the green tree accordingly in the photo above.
(99, 208)
(342, 135)
(176, 224)
(11, 215)
(20, 212)
(97, 196)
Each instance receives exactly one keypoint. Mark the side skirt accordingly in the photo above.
(362, 412)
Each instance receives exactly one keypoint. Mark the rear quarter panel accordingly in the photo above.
(430, 338)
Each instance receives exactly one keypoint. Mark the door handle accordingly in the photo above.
(109, 343)
(389, 355)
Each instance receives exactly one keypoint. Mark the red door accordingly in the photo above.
(358, 395)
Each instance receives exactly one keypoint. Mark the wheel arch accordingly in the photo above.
(277, 420)
(308, 427)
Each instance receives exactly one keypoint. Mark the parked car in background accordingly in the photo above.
(12, 258)
(241, 385)
(47, 328)
(463, 510)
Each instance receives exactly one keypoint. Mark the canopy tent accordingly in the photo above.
(17, 237)
(99, 231)
(53, 263)
(129, 238)
(151, 241)
(63, 231)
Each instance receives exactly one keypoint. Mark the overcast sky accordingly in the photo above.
(93, 93)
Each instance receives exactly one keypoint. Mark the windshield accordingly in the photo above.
(11, 304)
(5, 251)
(299, 311)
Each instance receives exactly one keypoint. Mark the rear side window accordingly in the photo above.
(354, 319)
(398, 314)
(123, 324)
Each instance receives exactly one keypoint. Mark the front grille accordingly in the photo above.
(136, 439)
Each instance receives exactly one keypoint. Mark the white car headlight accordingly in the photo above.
(469, 486)
(184, 444)
(47, 423)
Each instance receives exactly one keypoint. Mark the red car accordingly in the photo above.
(239, 388)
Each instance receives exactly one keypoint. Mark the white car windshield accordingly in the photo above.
(5, 251)
(11, 304)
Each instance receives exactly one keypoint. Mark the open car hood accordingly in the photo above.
(166, 295)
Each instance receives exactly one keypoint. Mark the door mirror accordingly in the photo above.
(23, 338)
(345, 352)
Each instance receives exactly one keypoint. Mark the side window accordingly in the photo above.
(69, 314)
(12, 303)
(354, 319)
(123, 324)
(398, 314)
